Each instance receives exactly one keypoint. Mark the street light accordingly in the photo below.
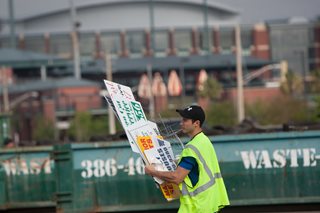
(250, 76)
(206, 37)
(22, 97)
(5, 117)
(75, 40)
(12, 25)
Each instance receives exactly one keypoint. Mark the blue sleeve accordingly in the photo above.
(191, 164)
(188, 163)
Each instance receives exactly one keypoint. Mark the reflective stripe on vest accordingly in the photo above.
(205, 186)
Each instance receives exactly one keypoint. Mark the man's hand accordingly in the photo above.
(175, 177)
(149, 169)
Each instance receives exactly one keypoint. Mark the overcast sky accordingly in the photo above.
(252, 11)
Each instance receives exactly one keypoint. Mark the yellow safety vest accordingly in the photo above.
(209, 194)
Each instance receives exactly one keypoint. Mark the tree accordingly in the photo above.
(317, 108)
(44, 130)
(222, 113)
(80, 128)
(212, 89)
(278, 111)
(293, 84)
(315, 83)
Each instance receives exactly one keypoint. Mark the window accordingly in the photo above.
(183, 41)
(35, 43)
(161, 42)
(136, 42)
(87, 43)
(5, 42)
(61, 45)
(110, 42)
(246, 40)
(205, 39)
(226, 39)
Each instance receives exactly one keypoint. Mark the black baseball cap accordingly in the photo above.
(193, 112)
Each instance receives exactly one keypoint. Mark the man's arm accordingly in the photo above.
(175, 177)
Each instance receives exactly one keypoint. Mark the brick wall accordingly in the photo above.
(252, 95)
(79, 98)
(260, 37)
(317, 46)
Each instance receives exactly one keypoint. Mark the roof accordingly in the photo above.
(45, 7)
(18, 58)
(251, 11)
(50, 84)
(134, 65)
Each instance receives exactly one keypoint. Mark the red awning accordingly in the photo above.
(202, 78)
(158, 86)
(174, 84)
(144, 86)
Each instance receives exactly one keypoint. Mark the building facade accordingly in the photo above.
(181, 35)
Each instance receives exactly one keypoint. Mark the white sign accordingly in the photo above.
(110, 167)
(126, 108)
(143, 136)
(279, 158)
(115, 89)
(21, 166)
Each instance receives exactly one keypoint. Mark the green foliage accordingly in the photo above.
(99, 126)
(44, 130)
(315, 84)
(173, 104)
(279, 110)
(212, 89)
(168, 113)
(317, 109)
(293, 84)
(84, 127)
(80, 128)
(222, 113)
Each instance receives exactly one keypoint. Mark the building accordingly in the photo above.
(181, 35)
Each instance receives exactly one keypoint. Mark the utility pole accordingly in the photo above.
(5, 95)
(151, 101)
(108, 62)
(206, 34)
(151, 14)
(182, 78)
(240, 98)
(304, 68)
(75, 40)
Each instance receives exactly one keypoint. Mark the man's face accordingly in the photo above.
(187, 126)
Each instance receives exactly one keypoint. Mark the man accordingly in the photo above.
(198, 173)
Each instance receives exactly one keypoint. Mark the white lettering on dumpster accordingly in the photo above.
(20, 166)
(279, 158)
(110, 167)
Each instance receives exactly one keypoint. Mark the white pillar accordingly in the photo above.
(43, 70)
(240, 98)
(112, 124)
